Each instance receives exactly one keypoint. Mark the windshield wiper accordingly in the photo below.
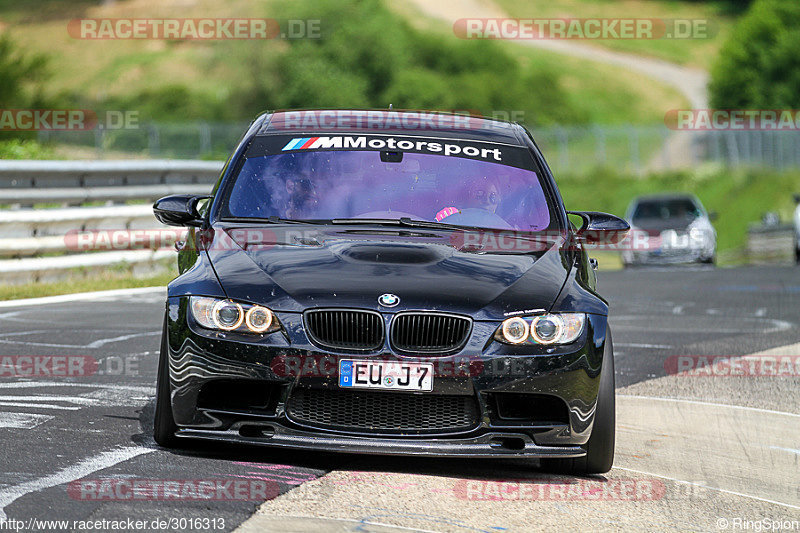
(432, 224)
(403, 221)
(269, 220)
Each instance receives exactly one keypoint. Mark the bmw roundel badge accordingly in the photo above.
(389, 300)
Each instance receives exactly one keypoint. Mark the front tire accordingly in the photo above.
(164, 426)
(599, 456)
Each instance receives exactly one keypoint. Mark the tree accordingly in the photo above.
(759, 66)
(20, 75)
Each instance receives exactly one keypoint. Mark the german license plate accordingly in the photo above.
(393, 375)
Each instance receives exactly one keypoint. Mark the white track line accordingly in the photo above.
(94, 344)
(100, 342)
(790, 450)
(79, 296)
(78, 400)
(642, 345)
(22, 420)
(28, 384)
(352, 520)
(104, 460)
(698, 402)
(40, 406)
(732, 492)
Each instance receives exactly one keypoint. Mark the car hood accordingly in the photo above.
(654, 226)
(293, 269)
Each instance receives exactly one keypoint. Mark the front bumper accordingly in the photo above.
(492, 444)
(668, 256)
(484, 370)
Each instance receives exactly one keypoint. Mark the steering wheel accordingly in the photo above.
(473, 216)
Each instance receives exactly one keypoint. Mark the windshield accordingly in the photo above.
(677, 208)
(325, 185)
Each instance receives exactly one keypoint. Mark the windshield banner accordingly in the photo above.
(515, 156)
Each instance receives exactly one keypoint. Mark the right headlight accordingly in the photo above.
(227, 315)
(554, 328)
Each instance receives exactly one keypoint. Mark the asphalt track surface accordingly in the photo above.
(693, 452)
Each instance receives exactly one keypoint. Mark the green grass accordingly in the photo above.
(699, 52)
(606, 261)
(108, 280)
(604, 94)
(25, 149)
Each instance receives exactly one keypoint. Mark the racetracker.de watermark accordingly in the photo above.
(66, 120)
(67, 366)
(583, 28)
(138, 489)
(254, 238)
(699, 366)
(443, 366)
(348, 120)
(314, 365)
(214, 29)
(733, 119)
(623, 490)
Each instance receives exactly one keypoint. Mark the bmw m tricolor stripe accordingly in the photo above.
(300, 143)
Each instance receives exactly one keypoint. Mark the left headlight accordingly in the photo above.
(556, 328)
(227, 315)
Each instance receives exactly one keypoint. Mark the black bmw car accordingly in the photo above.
(389, 282)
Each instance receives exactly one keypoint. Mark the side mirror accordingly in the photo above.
(601, 228)
(178, 210)
(796, 198)
(712, 216)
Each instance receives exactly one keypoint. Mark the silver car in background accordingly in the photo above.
(669, 228)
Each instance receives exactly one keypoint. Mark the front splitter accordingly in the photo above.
(490, 445)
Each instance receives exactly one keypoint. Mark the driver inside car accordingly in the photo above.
(484, 194)
(478, 206)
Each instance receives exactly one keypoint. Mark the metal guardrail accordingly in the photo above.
(28, 230)
(770, 243)
(27, 183)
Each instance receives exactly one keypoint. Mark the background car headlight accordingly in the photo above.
(227, 315)
(557, 328)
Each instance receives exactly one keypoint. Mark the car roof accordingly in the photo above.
(665, 197)
(392, 122)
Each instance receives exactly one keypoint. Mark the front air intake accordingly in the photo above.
(430, 333)
(345, 329)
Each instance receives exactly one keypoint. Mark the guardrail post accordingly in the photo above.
(99, 141)
(563, 149)
(600, 145)
(205, 139)
(633, 145)
(733, 149)
(153, 140)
